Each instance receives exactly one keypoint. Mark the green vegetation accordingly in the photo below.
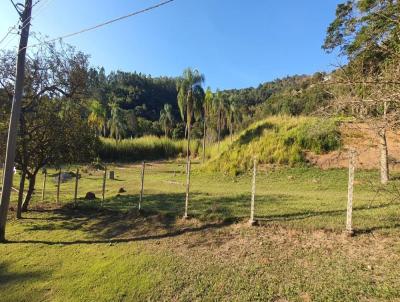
(145, 148)
(113, 253)
(108, 250)
(276, 140)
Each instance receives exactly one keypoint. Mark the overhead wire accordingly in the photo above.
(104, 23)
(43, 5)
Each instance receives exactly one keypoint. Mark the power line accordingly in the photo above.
(8, 33)
(43, 5)
(38, 11)
(104, 23)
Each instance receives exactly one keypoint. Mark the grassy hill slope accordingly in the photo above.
(276, 140)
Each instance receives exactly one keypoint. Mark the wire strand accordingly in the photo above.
(104, 23)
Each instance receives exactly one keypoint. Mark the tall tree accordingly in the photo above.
(97, 117)
(190, 102)
(233, 114)
(220, 107)
(367, 33)
(117, 122)
(207, 107)
(53, 126)
(166, 118)
(190, 98)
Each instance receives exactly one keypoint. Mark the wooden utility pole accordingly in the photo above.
(58, 187)
(352, 162)
(253, 193)
(185, 216)
(44, 184)
(14, 118)
(142, 185)
(76, 185)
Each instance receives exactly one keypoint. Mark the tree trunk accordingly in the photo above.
(219, 129)
(21, 195)
(384, 162)
(31, 189)
(188, 144)
(231, 131)
(204, 140)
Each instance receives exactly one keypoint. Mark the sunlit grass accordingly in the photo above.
(145, 148)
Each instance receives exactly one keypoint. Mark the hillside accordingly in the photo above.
(277, 140)
(303, 140)
(365, 141)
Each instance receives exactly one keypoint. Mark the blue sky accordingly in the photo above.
(235, 43)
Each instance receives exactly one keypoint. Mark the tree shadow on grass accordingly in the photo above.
(118, 220)
(7, 277)
(310, 213)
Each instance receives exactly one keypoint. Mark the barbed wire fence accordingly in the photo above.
(73, 185)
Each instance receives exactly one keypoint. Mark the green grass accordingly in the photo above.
(113, 253)
(278, 140)
(145, 148)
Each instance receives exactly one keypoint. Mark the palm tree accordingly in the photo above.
(220, 108)
(190, 98)
(233, 114)
(190, 102)
(207, 106)
(117, 122)
(166, 118)
(97, 117)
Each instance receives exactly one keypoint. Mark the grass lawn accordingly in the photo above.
(110, 252)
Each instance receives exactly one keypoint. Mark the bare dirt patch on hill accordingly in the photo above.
(364, 140)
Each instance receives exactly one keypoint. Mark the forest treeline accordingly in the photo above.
(143, 100)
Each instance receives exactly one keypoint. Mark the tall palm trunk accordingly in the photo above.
(231, 129)
(21, 194)
(219, 128)
(204, 138)
(188, 144)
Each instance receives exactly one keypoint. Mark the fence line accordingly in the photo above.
(252, 219)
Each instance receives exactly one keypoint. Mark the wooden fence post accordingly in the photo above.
(352, 160)
(253, 193)
(44, 184)
(76, 185)
(104, 185)
(188, 164)
(58, 187)
(142, 185)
